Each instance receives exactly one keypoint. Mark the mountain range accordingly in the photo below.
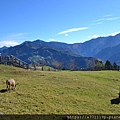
(40, 52)
(68, 56)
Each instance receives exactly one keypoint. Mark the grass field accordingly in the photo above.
(59, 92)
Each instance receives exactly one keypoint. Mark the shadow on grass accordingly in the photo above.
(3, 90)
(115, 101)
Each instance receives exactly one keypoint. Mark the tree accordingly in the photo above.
(99, 65)
(108, 65)
(115, 66)
(42, 68)
(58, 65)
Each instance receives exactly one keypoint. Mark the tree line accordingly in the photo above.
(37, 61)
(100, 65)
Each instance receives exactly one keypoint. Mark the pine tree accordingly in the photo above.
(115, 66)
(108, 65)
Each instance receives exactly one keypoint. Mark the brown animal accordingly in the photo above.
(10, 82)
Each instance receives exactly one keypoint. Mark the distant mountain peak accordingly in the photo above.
(4, 47)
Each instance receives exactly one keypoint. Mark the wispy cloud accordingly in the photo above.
(106, 18)
(99, 20)
(72, 30)
(94, 24)
(15, 36)
(113, 18)
(109, 15)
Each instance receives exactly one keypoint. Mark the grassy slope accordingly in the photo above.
(65, 92)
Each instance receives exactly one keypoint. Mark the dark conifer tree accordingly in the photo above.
(108, 65)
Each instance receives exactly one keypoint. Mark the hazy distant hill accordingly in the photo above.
(92, 47)
(108, 52)
(103, 48)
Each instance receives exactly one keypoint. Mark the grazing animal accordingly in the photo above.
(10, 82)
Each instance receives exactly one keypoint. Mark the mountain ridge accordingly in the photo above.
(38, 52)
(80, 54)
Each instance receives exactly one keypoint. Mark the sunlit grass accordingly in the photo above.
(59, 92)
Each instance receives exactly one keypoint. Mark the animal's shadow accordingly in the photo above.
(115, 101)
(3, 90)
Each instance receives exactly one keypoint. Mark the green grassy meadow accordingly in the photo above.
(59, 92)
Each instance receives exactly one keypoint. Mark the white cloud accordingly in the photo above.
(115, 33)
(105, 18)
(8, 43)
(95, 36)
(99, 20)
(52, 39)
(72, 30)
(66, 35)
(88, 36)
(113, 18)
(12, 39)
(95, 23)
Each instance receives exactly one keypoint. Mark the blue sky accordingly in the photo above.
(69, 21)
